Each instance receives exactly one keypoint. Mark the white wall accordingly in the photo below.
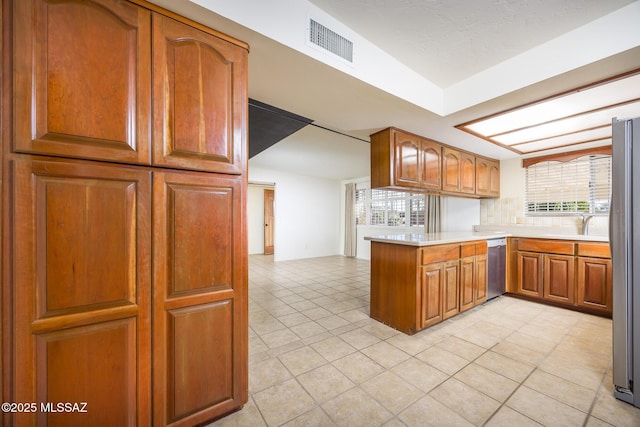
(307, 214)
(460, 214)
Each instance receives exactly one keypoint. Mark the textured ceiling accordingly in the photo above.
(450, 40)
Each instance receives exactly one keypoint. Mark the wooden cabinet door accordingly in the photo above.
(450, 288)
(407, 160)
(467, 173)
(494, 179)
(200, 297)
(559, 279)
(200, 99)
(483, 176)
(451, 166)
(529, 274)
(82, 291)
(431, 291)
(467, 283)
(595, 284)
(82, 79)
(487, 177)
(431, 175)
(480, 286)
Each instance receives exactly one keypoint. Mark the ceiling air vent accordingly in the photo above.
(329, 40)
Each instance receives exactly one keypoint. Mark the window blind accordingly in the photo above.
(578, 186)
(389, 208)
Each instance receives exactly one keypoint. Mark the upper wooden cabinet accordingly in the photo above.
(404, 161)
(82, 79)
(85, 90)
(459, 171)
(487, 177)
(199, 99)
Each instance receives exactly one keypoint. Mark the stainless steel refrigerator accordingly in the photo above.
(624, 235)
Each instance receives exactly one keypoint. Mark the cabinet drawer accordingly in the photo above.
(597, 250)
(467, 249)
(548, 246)
(481, 248)
(440, 253)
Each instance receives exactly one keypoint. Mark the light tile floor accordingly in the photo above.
(317, 359)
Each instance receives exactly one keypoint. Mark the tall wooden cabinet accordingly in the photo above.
(124, 267)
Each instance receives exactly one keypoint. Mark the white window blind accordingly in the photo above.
(389, 208)
(579, 186)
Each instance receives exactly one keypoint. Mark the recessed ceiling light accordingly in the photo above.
(568, 119)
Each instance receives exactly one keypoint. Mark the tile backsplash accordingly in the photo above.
(510, 211)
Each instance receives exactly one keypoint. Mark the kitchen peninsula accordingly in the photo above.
(419, 280)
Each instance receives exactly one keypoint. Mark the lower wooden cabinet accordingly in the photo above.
(595, 283)
(559, 281)
(409, 305)
(431, 291)
(81, 293)
(473, 274)
(570, 273)
(144, 321)
(199, 324)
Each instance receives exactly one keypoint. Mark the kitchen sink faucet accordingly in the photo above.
(585, 223)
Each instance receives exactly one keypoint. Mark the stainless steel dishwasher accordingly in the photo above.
(496, 260)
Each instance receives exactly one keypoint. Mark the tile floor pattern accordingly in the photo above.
(317, 359)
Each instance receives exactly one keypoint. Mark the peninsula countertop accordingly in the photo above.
(429, 239)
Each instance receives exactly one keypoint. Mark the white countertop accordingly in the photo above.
(428, 239)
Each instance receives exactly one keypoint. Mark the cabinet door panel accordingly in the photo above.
(200, 305)
(494, 179)
(451, 165)
(467, 173)
(467, 267)
(595, 283)
(200, 99)
(450, 286)
(529, 270)
(431, 304)
(559, 279)
(82, 288)
(431, 165)
(82, 79)
(407, 160)
(480, 287)
(95, 364)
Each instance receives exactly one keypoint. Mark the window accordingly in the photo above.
(389, 208)
(575, 187)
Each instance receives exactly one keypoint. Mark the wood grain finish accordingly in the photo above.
(413, 288)
(404, 161)
(82, 79)
(529, 276)
(199, 298)
(560, 247)
(199, 97)
(146, 322)
(559, 279)
(82, 309)
(451, 166)
(487, 177)
(547, 273)
(394, 295)
(431, 170)
(431, 295)
(450, 289)
(407, 168)
(595, 283)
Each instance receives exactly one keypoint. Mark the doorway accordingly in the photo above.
(269, 223)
